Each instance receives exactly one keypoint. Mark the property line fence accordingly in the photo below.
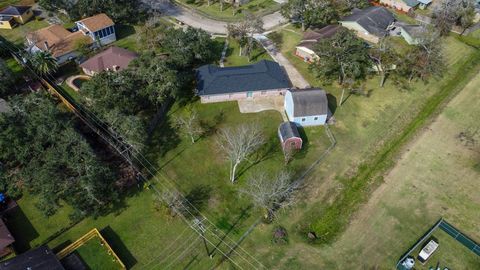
(450, 230)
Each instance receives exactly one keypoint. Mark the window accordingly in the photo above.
(104, 31)
(303, 119)
(315, 118)
(112, 28)
(108, 31)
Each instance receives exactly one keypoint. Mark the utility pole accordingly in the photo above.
(201, 229)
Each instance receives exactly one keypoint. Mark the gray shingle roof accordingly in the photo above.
(263, 75)
(374, 19)
(309, 102)
(288, 130)
(312, 37)
(14, 10)
(41, 258)
(415, 31)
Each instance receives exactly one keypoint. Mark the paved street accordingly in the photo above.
(195, 20)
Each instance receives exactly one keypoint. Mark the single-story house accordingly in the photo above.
(41, 258)
(289, 136)
(113, 58)
(100, 28)
(401, 5)
(21, 14)
(4, 106)
(305, 49)
(217, 84)
(370, 24)
(6, 240)
(95, 30)
(412, 34)
(307, 107)
(7, 22)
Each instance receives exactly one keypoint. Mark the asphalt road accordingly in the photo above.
(195, 20)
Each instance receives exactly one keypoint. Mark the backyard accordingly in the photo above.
(233, 57)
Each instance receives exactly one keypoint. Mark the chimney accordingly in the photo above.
(46, 46)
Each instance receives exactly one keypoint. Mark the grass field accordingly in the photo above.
(450, 253)
(234, 59)
(259, 7)
(17, 34)
(96, 256)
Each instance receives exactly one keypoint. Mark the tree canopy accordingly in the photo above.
(310, 12)
(341, 57)
(44, 154)
(6, 79)
(121, 11)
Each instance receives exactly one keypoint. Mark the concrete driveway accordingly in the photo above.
(295, 77)
(254, 105)
(190, 17)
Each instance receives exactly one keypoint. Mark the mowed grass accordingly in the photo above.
(233, 57)
(4, 3)
(96, 256)
(17, 35)
(436, 176)
(138, 226)
(450, 253)
(369, 131)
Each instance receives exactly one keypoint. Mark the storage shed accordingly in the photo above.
(307, 107)
(289, 136)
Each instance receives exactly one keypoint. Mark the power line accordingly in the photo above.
(127, 150)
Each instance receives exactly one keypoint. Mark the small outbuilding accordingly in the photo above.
(289, 136)
(307, 107)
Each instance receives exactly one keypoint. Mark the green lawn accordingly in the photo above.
(259, 7)
(4, 3)
(234, 59)
(127, 37)
(96, 256)
(17, 34)
(450, 253)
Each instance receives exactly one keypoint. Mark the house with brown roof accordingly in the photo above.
(99, 28)
(113, 58)
(305, 49)
(6, 240)
(61, 43)
(58, 41)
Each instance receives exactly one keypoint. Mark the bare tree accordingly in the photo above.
(243, 33)
(190, 125)
(238, 143)
(447, 13)
(384, 58)
(174, 201)
(270, 194)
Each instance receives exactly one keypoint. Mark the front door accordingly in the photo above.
(249, 94)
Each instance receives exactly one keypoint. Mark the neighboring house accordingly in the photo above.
(401, 5)
(370, 24)
(96, 30)
(265, 78)
(6, 240)
(60, 42)
(412, 34)
(21, 14)
(99, 28)
(41, 258)
(307, 107)
(7, 22)
(4, 106)
(289, 136)
(424, 3)
(305, 49)
(113, 58)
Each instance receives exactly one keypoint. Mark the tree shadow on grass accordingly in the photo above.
(21, 229)
(118, 247)
(198, 197)
(267, 152)
(124, 30)
(164, 139)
